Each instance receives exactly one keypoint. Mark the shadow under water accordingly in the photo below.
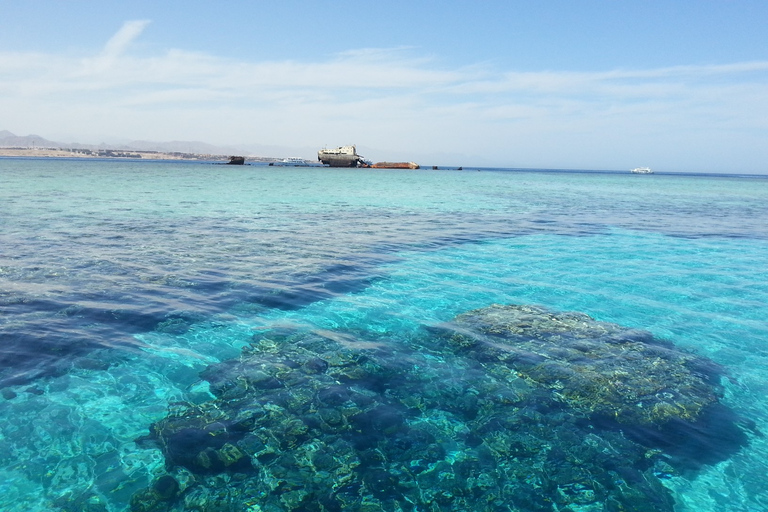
(506, 408)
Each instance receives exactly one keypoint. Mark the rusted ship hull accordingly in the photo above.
(340, 160)
(395, 165)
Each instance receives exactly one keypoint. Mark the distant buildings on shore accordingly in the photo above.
(54, 152)
(60, 152)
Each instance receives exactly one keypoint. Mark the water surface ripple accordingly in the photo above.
(120, 282)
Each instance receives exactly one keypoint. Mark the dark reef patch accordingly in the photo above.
(332, 281)
(63, 334)
(504, 408)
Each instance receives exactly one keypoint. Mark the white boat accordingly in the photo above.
(641, 170)
(294, 160)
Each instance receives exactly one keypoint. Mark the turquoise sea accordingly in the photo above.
(196, 337)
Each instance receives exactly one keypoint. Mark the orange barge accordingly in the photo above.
(395, 165)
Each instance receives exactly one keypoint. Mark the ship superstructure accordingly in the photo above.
(343, 156)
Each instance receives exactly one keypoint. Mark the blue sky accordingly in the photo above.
(676, 85)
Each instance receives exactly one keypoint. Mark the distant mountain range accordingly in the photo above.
(10, 140)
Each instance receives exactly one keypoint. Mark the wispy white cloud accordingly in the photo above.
(120, 41)
(116, 46)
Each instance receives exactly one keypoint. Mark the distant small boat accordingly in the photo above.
(641, 170)
(294, 160)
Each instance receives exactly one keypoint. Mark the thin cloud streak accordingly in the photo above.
(124, 37)
(114, 48)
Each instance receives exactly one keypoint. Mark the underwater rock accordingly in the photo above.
(157, 498)
(173, 326)
(166, 487)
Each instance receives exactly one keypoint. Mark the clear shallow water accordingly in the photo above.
(120, 282)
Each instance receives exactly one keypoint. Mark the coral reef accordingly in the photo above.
(507, 408)
(594, 367)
